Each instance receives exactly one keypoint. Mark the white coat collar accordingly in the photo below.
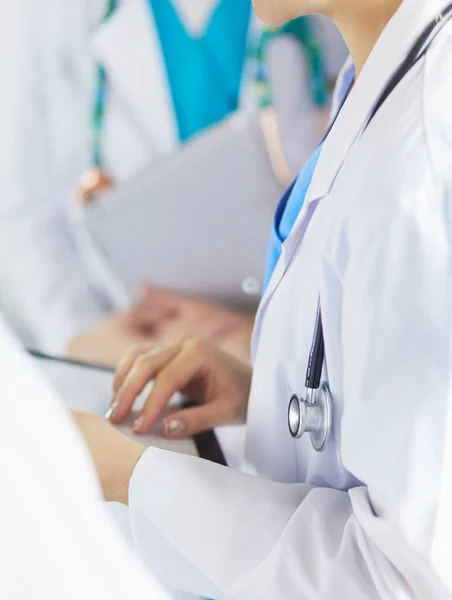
(128, 47)
(390, 50)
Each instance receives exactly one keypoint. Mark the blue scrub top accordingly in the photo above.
(292, 202)
(287, 212)
(204, 73)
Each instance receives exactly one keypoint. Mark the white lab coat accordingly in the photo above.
(56, 540)
(48, 51)
(369, 518)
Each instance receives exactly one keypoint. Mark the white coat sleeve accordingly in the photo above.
(231, 535)
(56, 540)
(41, 275)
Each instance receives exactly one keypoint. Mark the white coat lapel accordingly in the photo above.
(390, 50)
(392, 47)
(128, 47)
(287, 253)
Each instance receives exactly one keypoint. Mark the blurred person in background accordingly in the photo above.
(93, 95)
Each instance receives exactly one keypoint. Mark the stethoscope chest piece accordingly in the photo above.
(312, 415)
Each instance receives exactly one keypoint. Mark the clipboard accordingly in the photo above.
(87, 386)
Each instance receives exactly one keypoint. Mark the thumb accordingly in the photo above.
(190, 421)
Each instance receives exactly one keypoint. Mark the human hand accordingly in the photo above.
(162, 318)
(109, 341)
(216, 381)
(176, 315)
(114, 454)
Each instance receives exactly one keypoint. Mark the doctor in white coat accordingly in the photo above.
(369, 517)
(50, 56)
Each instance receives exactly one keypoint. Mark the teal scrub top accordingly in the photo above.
(204, 73)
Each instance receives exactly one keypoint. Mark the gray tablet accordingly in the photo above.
(198, 221)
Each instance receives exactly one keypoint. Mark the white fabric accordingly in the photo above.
(44, 106)
(56, 540)
(369, 518)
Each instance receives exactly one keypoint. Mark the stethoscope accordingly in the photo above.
(312, 413)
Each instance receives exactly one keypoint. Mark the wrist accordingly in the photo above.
(116, 488)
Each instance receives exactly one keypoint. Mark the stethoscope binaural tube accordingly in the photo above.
(312, 414)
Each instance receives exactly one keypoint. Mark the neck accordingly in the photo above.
(361, 24)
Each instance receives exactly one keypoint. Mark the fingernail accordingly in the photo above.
(138, 425)
(173, 426)
(111, 411)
